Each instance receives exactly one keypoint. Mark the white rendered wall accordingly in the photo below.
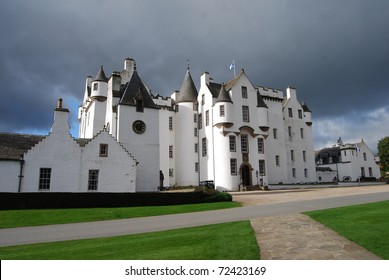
(59, 152)
(185, 141)
(166, 139)
(9, 174)
(275, 147)
(117, 171)
(298, 142)
(144, 147)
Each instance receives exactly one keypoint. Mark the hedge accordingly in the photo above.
(51, 200)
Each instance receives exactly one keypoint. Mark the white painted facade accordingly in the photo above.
(349, 161)
(67, 163)
(188, 137)
(235, 134)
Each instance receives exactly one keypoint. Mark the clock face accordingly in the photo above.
(139, 127)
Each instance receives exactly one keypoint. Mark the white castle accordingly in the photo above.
(235, 134)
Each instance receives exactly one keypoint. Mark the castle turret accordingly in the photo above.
(100, 86)
(186, 132)
(262, 109)
(222, 113)
(307, 114)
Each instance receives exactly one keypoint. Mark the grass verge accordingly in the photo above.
(234, 241)
(366, 225)
(22, 218)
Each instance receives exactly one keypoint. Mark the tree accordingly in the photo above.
(383, 153)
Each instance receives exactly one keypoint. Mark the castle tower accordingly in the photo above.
(186, 133)
(92, 113)
(222, 111)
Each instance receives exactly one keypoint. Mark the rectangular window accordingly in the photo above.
(170, 123)
(196, 147)
(245, 113)
(294, 172)
(93, 180)
(200, 123)
(244, 143)
(139, 106)
(171, 172)
(244, 92)
(262, 171)
(304, 156)
(233, 167)
(345, 154)
(44, 178)
(370, 172)
(302, 133)
(306, 173)
(170, 151)
(364, 157)
(232, 143)
(207, 117)
(275, 133)
(195, 132)
(292, 155)
(195, 107)
(202, 99)
(95, 86)
(204, 146)
(290, 112)
(261, 147)
(195, 118)
(363, 171)
(290, 131)
(196, 167)
(300, 112)
(277, 160)
(103, 150)
(221, 111)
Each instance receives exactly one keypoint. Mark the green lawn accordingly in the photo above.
(234, 241)
(21, 218)
(366, 225)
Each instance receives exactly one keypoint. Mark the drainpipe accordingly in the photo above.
(21, 173)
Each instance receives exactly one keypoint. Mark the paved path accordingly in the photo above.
(272, 207)
(298, 237)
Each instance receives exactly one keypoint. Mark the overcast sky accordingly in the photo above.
(335, 52)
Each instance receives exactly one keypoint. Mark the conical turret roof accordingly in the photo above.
(260, 102)
(100, 77)
(305, 107)
(188, 91)
(223, 95)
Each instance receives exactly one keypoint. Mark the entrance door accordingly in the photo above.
(246, 175)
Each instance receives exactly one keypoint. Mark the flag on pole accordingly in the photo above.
(233, 66)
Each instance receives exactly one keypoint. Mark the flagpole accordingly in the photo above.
(233, 66)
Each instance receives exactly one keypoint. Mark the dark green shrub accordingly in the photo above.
(218, 197)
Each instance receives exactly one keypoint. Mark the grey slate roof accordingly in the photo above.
(260, 102)
(326, 153)
(188, 91)
(305, 107)
(214, 88)
(13, 145)
(136, 89)
(100, 77)
(223, 96)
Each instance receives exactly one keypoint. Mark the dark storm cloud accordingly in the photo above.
(336, 53)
